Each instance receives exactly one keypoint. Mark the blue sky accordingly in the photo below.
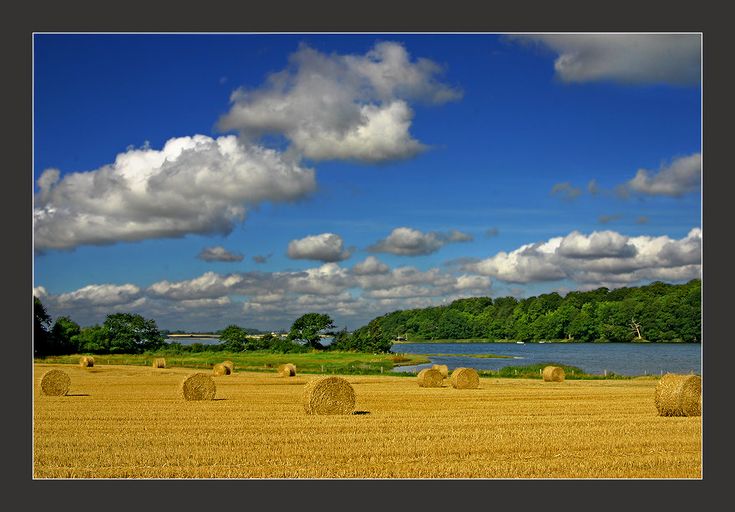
(366, 173)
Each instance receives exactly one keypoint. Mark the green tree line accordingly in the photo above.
(129, 333)
(655, 312)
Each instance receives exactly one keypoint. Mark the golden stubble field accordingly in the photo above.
(131, 422)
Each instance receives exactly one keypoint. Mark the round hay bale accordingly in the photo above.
(443, 369)
(679, 395)
(159, 362)
(287, 370)
(55, 383)
(465, 378)
(328, 395)
(220, 369)
(229, 365)
(86, 361)
(430, 378)
(553, 374)
(198, 386)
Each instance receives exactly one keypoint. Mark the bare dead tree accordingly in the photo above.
(636, 328)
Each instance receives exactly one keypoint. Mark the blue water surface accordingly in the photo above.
(593, 358)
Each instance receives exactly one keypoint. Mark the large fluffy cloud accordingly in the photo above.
(406, 241)
(625, 58)
(327, 247)
(681, 176)
(192, 185)
(599, 258)
(342, 106)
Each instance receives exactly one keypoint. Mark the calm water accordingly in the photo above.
(595, 358)
(191, 341)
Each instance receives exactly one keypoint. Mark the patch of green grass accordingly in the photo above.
(534, 371)
(306, 362)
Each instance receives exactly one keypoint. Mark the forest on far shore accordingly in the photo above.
(657, 312)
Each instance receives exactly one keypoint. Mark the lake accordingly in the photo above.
(594, 358)
(191, 341)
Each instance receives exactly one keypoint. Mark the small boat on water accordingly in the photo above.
(542, 342)
(520, 342)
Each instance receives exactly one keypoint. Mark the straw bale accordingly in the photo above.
(443, 369)
(287, 370)
(229, 365)
(86, 361)
(159, 362)
(328, 395)
(553, 374)
(430, 378)
(465, 378)
(679, 395)
(55, 383)
(198, 386)
(220, 369)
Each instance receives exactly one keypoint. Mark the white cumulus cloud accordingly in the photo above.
(598, 258)
(625, 58)
(342, 106)
(370, 266)
(407, 241)
(599, 244)
(326, 247)
(192, 185)
(681, 176)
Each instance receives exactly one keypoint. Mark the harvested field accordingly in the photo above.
(140, 427)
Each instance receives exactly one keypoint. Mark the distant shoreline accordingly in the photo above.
(562, 342)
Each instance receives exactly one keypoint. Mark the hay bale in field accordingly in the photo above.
(220, 369)
(679, 395)
(287, 370)
(198, 386)
(553, 374)
(443, 369)
(86, 361)
(328, 395)
(229, 365)
(430, 378)
(55, 383)
(465, 378)
(159, 362)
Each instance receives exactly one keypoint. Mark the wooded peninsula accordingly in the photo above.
(657, 312)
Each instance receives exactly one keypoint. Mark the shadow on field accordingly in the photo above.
(216, 399)
(77, 394)
(361, 412)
